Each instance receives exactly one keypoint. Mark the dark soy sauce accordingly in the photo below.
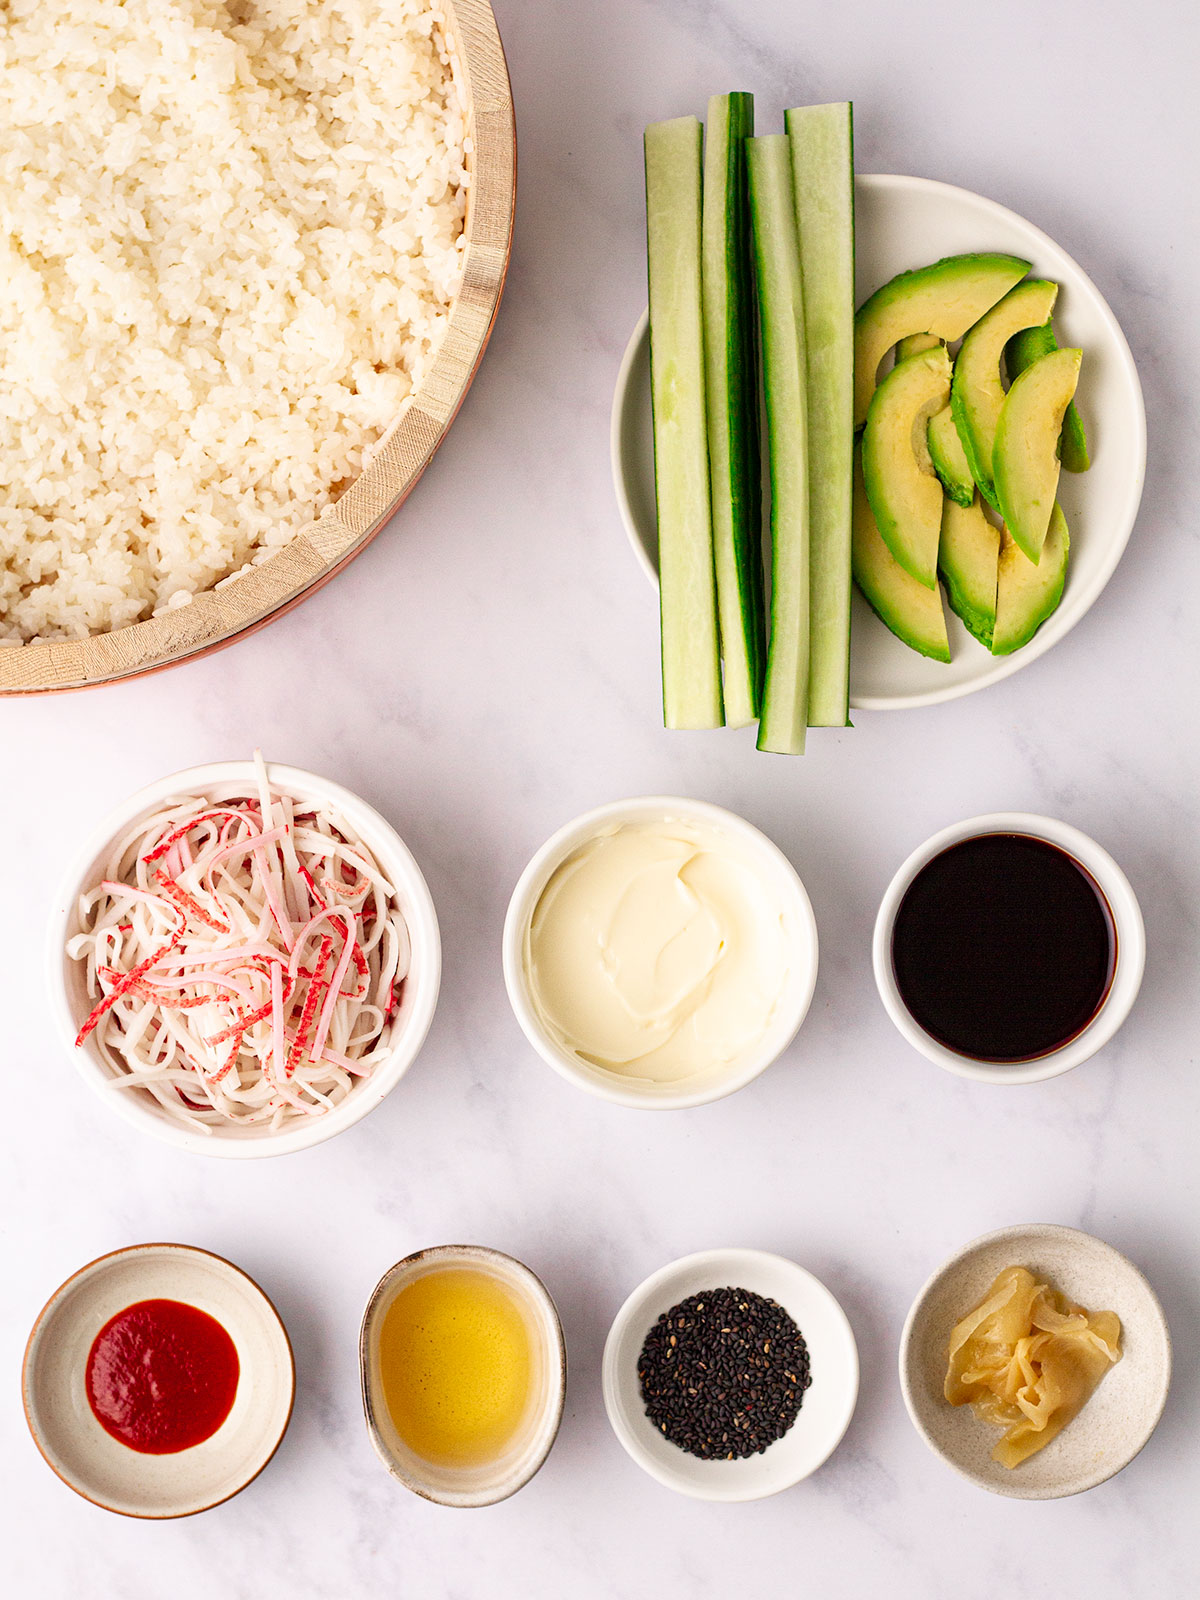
(1004, 948)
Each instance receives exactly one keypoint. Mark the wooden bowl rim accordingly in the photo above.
(217, 617)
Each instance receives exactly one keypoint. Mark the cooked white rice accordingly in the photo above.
(230, 235)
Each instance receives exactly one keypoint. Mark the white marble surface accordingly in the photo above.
(488, 669)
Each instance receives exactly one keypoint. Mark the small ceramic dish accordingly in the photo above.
(100, 1468)
(828, 1403)
(903, 222)
(1123, 1411)
(496, 1480)
(706, 1084)
(409, 1025)
(1129, 935)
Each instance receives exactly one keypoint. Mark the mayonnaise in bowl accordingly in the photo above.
(660, 952)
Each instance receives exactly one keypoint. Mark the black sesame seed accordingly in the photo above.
(740, 1367)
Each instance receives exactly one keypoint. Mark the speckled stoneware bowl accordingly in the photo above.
(495, 1480)
(100, 1468)
(1120, 1416)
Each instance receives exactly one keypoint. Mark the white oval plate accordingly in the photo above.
(902, 223)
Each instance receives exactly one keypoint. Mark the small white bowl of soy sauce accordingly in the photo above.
(1009, 948)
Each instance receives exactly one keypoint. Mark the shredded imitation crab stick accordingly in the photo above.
(245, 957)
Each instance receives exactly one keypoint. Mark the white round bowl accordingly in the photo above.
(702, 1087)
(904, 222)
(477, 1485)
(410, 1024)
(828, 1403)
(100, 1468)
(1129, 934)
(1119, 1417)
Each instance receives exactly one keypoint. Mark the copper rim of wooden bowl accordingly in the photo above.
(218, 617)
(88, 1266)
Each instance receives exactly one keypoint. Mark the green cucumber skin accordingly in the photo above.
(1021, 351)
(691, 665)
(821, 142)
(784, 719)
(732, 399)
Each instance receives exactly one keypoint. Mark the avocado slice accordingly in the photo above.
(1021, 351)
(1024, 455)
(904, 492)
(949, 458)
(943, 299)
(968, 558)
(913, 612)
(945, 447)
(914, 344)
(1029, 592)
(977, 393)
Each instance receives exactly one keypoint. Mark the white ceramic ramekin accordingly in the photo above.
(70, 1004)
(704, 1086)
(827, 1407)
(494, 1480)
(1130, 935)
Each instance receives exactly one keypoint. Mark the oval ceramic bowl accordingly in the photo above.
(217, 617)
(93, 1463)
(476, 1485)
(1120, 1416)
(71, 1005)
(901, 223)
(827, 1407)
(703, 1087)
(1130, 937)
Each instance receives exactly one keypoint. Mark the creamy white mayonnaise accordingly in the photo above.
(657, 950)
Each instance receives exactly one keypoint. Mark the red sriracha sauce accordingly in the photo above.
(162, 1376)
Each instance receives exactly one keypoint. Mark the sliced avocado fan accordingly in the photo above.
(905, 494)
(1021, 351)
(1027, 593)
(945, 447)
(977, 393)
(968, 559)
(912, 612)
(1025, 453)
(943, 299)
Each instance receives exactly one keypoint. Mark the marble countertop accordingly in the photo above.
(488, 669)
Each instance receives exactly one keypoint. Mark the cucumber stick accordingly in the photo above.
(784, 716)
(691, 667)
(822, 152)
(731, 375)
